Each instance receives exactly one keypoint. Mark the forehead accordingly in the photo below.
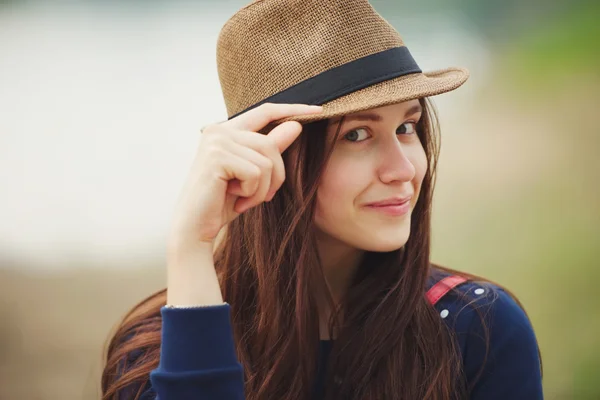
(380, 114)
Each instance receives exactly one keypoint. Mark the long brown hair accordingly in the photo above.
(391, 343)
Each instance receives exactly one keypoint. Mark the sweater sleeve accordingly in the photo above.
(197, 356)
(512, 368)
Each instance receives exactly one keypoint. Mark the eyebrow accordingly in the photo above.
(367, 116)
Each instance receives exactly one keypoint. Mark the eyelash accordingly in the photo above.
(413, 123)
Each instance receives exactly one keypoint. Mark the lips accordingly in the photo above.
(392, 207)
(393, 201)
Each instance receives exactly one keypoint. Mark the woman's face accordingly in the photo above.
(377, 157)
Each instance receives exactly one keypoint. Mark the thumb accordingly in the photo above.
(285, 134)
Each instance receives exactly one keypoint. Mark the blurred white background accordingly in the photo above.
(101, 103)
(100, 111)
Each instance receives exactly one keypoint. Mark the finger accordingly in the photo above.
(266, 146)
(257, 118)
(285, 134)
(265, 165)
(245, 203)
(244, 171)
(234, 187)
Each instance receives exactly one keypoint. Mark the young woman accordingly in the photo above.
(298, 260)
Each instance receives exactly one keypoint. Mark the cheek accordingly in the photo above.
(418, 159)
(341, 184)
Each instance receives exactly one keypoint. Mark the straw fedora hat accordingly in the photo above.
(340, 54)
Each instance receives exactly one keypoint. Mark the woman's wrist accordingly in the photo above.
(181, 246)
(191, 277)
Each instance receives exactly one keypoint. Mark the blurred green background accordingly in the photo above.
(101, 102)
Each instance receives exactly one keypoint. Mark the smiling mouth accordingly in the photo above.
(393, 208)
(392, 201)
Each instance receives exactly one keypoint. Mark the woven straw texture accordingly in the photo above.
(270, 45)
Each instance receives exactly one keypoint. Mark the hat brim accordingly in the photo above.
(397, 90)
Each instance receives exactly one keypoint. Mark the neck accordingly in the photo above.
(340, 266)
(340, 263)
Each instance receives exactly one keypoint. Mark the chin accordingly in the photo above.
(385, 247)
(381, 242)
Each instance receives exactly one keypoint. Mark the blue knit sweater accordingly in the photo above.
(198, 359)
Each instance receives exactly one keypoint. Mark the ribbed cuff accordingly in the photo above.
(197, 339)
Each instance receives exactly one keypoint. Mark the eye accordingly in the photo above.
(407, 128)
(356, 135)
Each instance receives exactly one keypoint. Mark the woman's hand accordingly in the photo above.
(235, 169)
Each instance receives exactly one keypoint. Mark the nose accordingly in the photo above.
(396, 164)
